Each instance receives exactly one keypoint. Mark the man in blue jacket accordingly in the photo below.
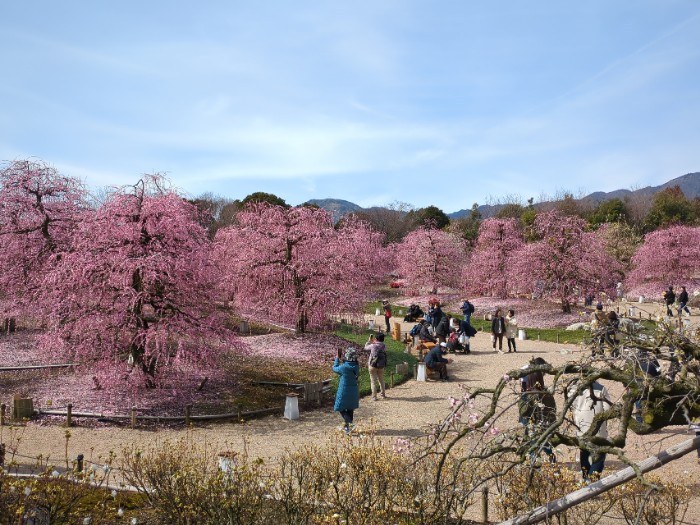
(435, 360)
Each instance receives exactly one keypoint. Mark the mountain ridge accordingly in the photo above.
(688, 183)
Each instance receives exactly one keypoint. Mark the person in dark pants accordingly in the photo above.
(347, 398)
(669, 299)
(387, 315)
(498, 329)
(511, 330)
(683, 302)
(589, 403)
(435, 360)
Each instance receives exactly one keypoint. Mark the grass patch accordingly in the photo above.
(551, 335)
(395, 356)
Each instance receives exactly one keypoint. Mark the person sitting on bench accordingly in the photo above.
(414, 312)
(435, 361)
(424, 335)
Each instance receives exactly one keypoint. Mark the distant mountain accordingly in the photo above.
(338, 208)
(689, 183)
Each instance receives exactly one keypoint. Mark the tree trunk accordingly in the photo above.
(603, 485)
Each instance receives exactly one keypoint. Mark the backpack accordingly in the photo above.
(467, 308)
(415, 330)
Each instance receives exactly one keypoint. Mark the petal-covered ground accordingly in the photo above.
(275, 357)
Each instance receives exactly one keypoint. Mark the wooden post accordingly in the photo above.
(69, 414)
(133, 417)
(79, 463)
(415, 371)
(188, 413)
(22, 408)
(640, 315)
(392, 379)
(3, 408)
(485, 505)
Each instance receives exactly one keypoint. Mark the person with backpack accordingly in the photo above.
(376, 364)
(537, 408)
(467, 310)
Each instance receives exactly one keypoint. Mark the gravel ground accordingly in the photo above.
(407, 412)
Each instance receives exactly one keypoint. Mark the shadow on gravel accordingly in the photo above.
(400, 433)
(421, 399)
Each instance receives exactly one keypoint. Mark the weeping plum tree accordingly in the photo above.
(666, 257)
(134, 290)
(482, 424)
(430, 258)
(39, 213)
(487, 269)
(292, 265)
(565, 262)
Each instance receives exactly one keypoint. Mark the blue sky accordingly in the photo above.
(445, 103)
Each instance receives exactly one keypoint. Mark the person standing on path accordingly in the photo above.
(498, 329)
(347, 398)
(442, 329)
(467, 310)
(437, 315)
(592, 401)
(376, 364)
(387, 315)
(669, 299)
(511, 330)
(683, 302)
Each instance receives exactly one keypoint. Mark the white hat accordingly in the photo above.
(443, 344)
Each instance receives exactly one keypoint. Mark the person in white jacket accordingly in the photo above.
(586, 406)
(511, 330)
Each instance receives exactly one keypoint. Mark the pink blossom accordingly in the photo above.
(294, 266)
(667, 257)
(488, 269)
(430, 258)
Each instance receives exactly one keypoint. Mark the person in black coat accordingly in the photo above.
(424, 335)
(683, 302)
(442, 329)
(669, 299)
(498, 329)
